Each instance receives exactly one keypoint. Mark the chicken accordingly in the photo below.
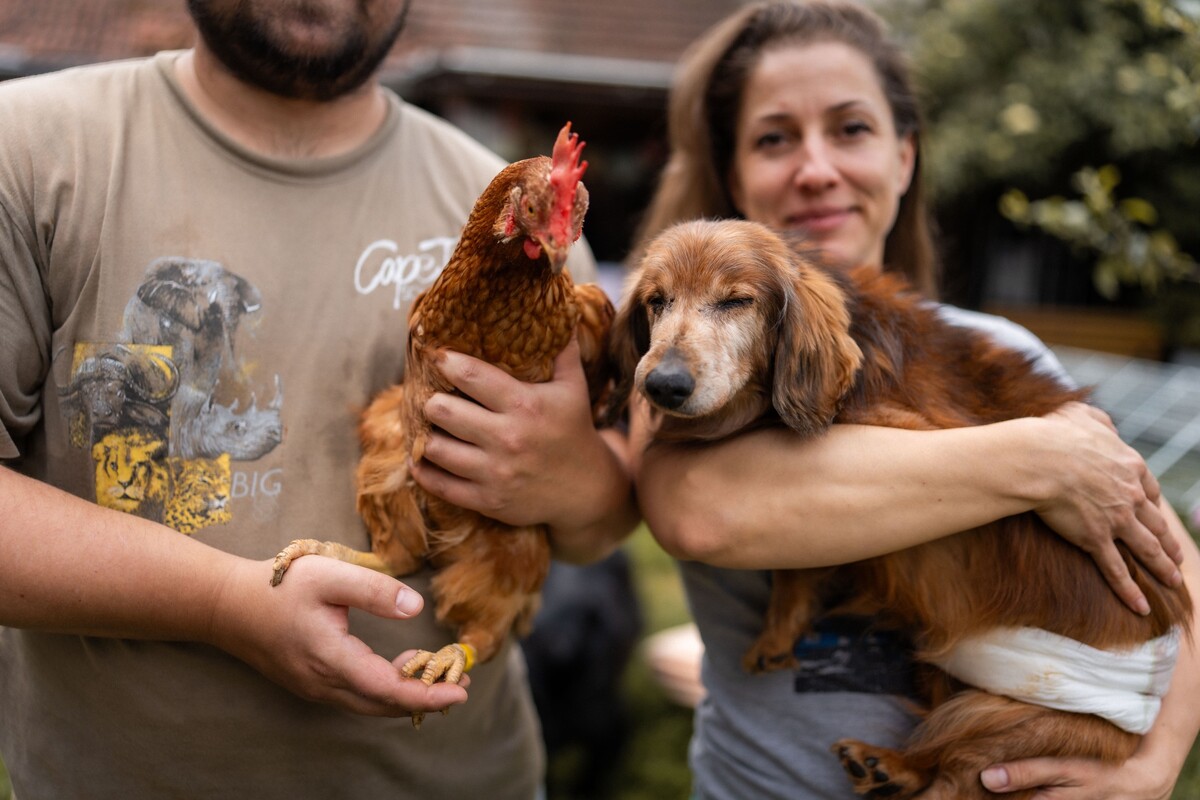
(503, 297)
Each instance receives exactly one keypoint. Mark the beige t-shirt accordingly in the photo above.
(187, 331)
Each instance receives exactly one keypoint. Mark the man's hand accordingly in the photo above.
(297, 634)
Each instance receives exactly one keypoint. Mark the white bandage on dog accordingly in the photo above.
(1043, 668)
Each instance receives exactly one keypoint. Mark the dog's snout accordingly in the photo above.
(670, 384)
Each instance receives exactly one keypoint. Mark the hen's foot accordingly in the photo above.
(447, 665)
(876, 772)
(312, 547)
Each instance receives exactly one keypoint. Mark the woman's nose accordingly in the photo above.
(815, 168)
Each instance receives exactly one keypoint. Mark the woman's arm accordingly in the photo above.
(1154, 768)
(69, 566)
(768, 499)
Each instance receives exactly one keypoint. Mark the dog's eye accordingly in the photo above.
(730, 303)
(656, 303)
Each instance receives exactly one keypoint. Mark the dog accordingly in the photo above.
(727, 326)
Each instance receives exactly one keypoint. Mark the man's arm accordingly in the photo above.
(69, 566)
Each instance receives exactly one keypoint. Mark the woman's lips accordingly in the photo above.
(820, 221)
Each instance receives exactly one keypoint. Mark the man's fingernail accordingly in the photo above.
(994, 778)
(1143, 607)
(408, 602)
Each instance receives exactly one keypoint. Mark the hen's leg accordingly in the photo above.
(486, 585)
(313, 547)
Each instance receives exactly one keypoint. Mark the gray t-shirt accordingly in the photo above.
(768, 736)
(187, 332)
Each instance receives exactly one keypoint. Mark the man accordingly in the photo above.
(206, 262)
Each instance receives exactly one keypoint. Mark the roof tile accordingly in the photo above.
(50, 33)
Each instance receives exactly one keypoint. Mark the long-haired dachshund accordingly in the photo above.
(725, 326)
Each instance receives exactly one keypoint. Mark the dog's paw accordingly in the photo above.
(765, 658)
(876, 772)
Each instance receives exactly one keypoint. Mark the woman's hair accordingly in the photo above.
(707, 95)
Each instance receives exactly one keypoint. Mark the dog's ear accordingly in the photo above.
(628, 342)
(816, 360)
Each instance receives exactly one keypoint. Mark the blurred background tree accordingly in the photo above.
(1122, 235)
(1062, 99)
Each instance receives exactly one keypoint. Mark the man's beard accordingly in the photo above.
(249, 49)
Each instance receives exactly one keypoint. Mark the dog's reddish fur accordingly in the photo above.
(862, 347)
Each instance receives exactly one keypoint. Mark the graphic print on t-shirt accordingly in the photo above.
(154, 407)
(848, 654)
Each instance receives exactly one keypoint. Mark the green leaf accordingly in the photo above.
(1138, 210)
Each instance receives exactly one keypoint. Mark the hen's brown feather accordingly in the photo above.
(596, 314)
(503, 298)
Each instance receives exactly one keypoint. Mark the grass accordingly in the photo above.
(654, 766)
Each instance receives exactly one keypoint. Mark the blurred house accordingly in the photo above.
(510, 73)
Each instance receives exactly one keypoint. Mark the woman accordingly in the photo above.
(802, 116)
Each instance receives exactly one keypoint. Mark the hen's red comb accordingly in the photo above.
(565, 171)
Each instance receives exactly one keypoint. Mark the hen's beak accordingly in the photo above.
(556, 252)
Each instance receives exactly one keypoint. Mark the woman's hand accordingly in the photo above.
(1081, 779)
(1106, 495)
(528, 453)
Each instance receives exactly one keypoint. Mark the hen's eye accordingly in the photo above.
(731, 303)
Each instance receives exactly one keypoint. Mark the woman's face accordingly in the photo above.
(816, 150)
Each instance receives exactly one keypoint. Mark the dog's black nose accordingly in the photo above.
(670, 384)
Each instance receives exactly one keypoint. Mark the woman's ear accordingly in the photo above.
(907, 154)
(816, 360)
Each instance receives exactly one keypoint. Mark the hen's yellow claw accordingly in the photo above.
(447, 665)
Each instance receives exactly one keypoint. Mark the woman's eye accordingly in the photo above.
(855, 128)
(768, 141)
(731, 303)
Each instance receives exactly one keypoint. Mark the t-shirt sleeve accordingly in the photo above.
(25, 333)
(1010, 334)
